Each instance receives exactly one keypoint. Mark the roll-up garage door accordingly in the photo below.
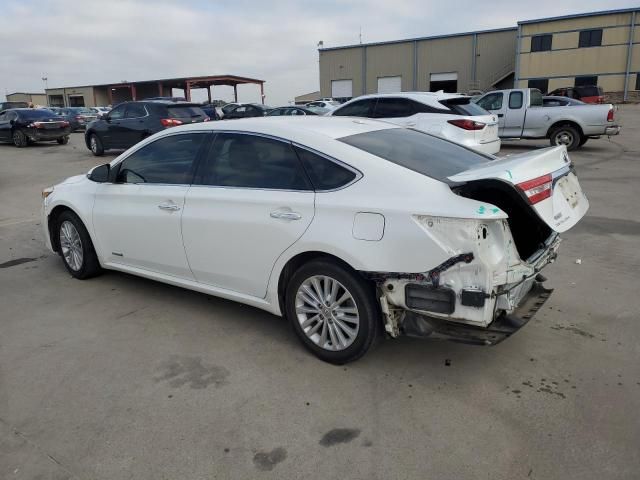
(389, 84)
(447, 82)
(342, 88)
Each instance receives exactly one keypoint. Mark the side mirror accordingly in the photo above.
(100, 174)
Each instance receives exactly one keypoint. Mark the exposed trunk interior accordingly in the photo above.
(528, 230)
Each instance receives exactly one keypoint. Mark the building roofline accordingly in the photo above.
(580, 15)
(235, 78)
(418, 39)
(27, 93)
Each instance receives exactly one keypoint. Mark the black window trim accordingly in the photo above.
(358, 173)
(202, 154)
(115, 168)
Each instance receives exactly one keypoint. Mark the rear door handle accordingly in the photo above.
(171, 207)
(285, 215)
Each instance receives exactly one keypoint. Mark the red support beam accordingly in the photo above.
(209, 93)
(262, 92)
(235, 92)
(133, 92)
(110, 92)
(160, 89)
(187, 91)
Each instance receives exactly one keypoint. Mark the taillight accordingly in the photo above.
(467, 124)
(170, 122)
(537, 189)
(35, 125)
(65, 124)
(610, 115)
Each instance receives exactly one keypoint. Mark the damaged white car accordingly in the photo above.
(352, 228)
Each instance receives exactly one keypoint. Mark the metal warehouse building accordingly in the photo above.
(590, 48)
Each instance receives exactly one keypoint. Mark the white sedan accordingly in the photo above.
(352, 228)
(447, 115)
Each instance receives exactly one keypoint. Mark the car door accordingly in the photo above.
(250, 201)
(494, 103)
(514, 115)
(133, 127)
(5, 127)
(137, 217)
(111, 130)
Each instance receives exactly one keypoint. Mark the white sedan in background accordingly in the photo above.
(447, 115)
(352, 228)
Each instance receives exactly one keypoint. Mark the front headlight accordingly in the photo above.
(46, 192)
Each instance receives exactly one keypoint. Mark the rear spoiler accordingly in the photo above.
(456, 101)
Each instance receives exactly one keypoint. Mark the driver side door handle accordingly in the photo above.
(285, 215)
(169, 206)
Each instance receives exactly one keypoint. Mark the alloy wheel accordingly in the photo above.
(564, 138)
(327, 313)
(94, 144)
(71, 246)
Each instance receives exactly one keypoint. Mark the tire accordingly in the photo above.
(334, 336)
(565, 135)
(583, 140)
(20, 140)
(76, 249)
(63, 140)
(95, 145)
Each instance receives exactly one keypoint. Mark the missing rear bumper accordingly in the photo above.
(501, 328)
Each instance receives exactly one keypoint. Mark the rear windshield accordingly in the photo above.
(468, 108)
(417, 151)
(36, 114)
(186, 112)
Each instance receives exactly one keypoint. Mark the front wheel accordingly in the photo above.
(76, 248)
(20, 140)
(96, 145)
(333, 311)
(566, 135)
(63, 140)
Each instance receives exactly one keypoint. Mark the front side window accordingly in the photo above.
(168, 160)
(324, 173)
(590, 38)
(393, 108)
(541, 43)
(493, 101)
(359, 108)
(515, 100)
(117, 113)
(423, 153)
(251, 161)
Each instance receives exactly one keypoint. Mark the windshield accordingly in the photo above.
(186, 112)
(36, 114)
(417, 151)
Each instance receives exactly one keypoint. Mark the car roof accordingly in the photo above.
(294, 127)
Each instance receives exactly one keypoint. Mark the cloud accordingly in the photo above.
(79, 42)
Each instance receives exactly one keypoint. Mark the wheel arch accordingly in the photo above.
(562, 123)
(51, 224)
(296, 262)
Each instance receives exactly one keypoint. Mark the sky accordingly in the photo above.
(83, 42)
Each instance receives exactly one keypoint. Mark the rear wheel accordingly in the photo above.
(96, 145)
(76, 248)
(63, 140)
(333, 311)
(20, 140)
(566, 135)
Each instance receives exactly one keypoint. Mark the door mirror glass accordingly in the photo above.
(100, 174)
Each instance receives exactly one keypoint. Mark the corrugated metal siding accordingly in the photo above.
(496, 57)
(343, 64)
(445, 55)
(389, 61)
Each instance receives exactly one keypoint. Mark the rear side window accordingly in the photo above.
(417, 151)
(515, 100)
(360, 108)
(185, 112)
(535, 98)
(168, 160)
(393, 108)
(251, 161)
(324, 173)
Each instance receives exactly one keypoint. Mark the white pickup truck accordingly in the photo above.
(521, 115)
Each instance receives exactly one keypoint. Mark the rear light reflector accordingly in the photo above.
(170, 122)
(610, 115)
(467, 124)
(537, 189)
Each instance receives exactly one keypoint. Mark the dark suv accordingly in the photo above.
(128, 123)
